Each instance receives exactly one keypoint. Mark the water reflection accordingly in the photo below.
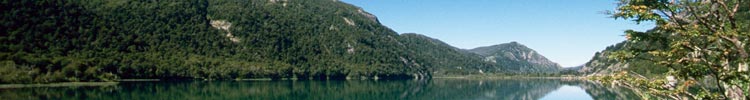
(436, 89)
(568, 92)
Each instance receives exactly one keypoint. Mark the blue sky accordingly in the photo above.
(568, 32)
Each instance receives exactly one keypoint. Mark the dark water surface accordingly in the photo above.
(435, 89)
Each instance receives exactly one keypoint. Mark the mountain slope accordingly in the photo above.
(444, 59)
(517, 57)
(603, 64)
(105, 40)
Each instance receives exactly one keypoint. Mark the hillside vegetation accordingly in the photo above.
(47, 41)
(446, 59)
(604, 64)
(104, 40)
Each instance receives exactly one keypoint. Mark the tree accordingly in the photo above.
(702, 37)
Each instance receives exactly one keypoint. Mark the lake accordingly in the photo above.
(435, 89)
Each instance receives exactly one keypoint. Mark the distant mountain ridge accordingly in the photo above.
(517, 57)
(510, 57)
(446, 59)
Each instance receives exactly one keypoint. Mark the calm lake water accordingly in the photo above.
(435, 89)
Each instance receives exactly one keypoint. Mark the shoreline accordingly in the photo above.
(61, 84)
(85, 84)
(138, 80)
(509, 77)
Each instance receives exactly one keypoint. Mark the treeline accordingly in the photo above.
(105, 40)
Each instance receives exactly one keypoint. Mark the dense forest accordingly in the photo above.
(92, 40)
(95, 40)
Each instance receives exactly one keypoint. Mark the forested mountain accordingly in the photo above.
(603, 63)
(104, 40)
(507, 58)
(518, 58)
(446, 59)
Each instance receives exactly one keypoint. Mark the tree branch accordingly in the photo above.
(702, 20)
(672, 16)
(737, 45)
(713, 70)
(730, 12)
(734, 11)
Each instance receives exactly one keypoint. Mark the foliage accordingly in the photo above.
(700, 38)
(104, 40)
(605, 62)
(657, 87)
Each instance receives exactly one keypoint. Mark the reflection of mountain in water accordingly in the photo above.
(436, 89)
(603, 92)
(510, 89)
